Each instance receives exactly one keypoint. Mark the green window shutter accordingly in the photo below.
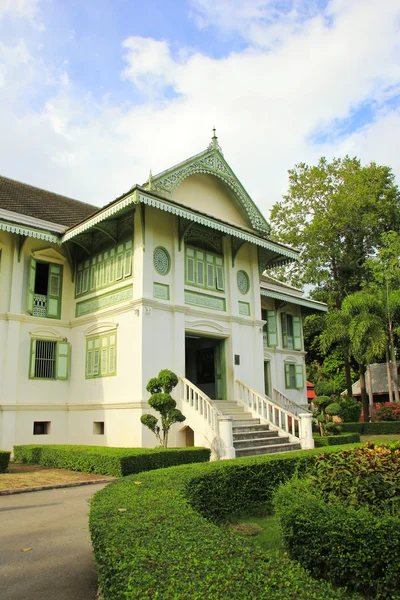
(284, 330)
(299, 377)
(220, 277)
(265, 328)
(112, 354)
(89, 363)
(199, 272)
(96, 362)
(112, 270)
(272, 330)
(119, 266)
(189, 269)
(85, 281)
(297, 341)
(104, 352)
(267, 378)
(128, 264)
(31, 285)
(210, 275)
(287, 375)
(54, 290)
(32, 360)
(62, 360)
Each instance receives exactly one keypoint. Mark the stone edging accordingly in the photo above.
(52, 487)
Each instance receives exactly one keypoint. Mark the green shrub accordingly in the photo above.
(108, 461)
(4, 460)
(150, 542)
(365, 476)
(351, 409)
(335, 440)
(378, 428)
(341, 544)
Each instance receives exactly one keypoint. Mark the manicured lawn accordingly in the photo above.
(264, 531)
(391, 437)
(20, 475)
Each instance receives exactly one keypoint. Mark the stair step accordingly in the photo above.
(268, 449)
(239, 423)
(252, 435)
(273, 441)
(251, 427)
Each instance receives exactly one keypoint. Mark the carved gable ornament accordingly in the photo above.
(211, 162)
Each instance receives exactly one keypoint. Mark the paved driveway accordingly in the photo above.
(54, 523)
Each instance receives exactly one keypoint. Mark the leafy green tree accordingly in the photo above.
(160, 388)
(335, 213)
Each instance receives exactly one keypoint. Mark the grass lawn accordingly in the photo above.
(392, 437)
(264, 531)
(20, 475)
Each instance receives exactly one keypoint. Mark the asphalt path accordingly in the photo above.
(45, 549)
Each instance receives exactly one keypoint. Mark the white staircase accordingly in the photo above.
(250, 425)
(250, 436)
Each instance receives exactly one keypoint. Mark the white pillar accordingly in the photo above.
(226, 435)
(306, 440)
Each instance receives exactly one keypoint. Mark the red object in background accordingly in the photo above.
(310, 391)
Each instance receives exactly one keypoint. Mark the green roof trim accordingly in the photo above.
(306, 302)
(138, 197)
(29, 232)
(210, 162)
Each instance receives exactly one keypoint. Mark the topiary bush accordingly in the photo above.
(4, 460)
(344, 545)
(108, 461)
(151, 539)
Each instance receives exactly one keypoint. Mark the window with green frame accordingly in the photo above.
(101, 355)
(44, 289)
(204, 269)
(270, 333)
(291, 331)
(49, 359)
(104, 269)
(294, 376)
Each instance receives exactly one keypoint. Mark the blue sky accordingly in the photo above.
(94, 93)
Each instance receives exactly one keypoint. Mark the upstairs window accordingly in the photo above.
(204, 269)
(291, 332)
(104, 269)
(270, 332)
(44, 289)
(49, 359)
(101, 358)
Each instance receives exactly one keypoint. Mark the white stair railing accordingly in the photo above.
(206, 419)
(296, 426)
(285, 402)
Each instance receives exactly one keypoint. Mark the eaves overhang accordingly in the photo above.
(39, 234)
(306, 302)
(139, 196)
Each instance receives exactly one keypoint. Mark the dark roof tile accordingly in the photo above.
(28, 200)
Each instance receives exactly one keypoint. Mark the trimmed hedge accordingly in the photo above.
(378, 428)
(4, 460)
(344, 545)
(150, 540)
(335, 440)
(108, 461)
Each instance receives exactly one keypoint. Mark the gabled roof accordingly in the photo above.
(211, 162)
(379, 380)
(24, 199)
(273, 288)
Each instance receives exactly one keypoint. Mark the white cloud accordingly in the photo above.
(26, 9)
(265, 102)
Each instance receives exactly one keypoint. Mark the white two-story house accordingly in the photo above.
(94, 302)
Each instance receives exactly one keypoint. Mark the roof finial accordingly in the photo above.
(150, 181)
(214, 145)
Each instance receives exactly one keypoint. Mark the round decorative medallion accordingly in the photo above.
(243, 282)
(161, 260)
